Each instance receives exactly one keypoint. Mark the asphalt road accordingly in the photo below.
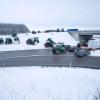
(44, 57)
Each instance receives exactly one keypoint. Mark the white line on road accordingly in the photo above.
(30, 56)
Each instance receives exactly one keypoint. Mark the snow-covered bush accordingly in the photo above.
(96, 96)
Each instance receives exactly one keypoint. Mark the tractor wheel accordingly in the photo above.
(57, 52)
(45, 45)
(37, 41)
(53, 51)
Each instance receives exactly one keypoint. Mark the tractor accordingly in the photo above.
(49, 43)
(32, 41)
(8, 41)
(59, 48)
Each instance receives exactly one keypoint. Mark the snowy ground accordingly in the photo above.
(36, 83)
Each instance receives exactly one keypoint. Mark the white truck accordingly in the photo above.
(95, 44)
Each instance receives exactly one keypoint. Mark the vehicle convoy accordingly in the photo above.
(49, 43)
(79, 50)
(61, 48)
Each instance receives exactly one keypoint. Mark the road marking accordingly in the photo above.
(31, 56)
(3, 64)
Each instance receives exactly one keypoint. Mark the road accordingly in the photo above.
(44, 57)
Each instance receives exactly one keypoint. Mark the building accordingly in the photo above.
(83, 35)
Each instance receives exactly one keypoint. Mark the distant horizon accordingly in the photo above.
(41, 14)
(60, 27)
(33, 27)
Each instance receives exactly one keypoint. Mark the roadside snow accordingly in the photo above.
(36, 83)
(95, 53)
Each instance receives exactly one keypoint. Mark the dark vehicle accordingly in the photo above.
(16, 39)
(1, 41)
(8, 41)
(81, 51)
(59, 48)
(33, 32)
(49, 43)
(32, 41)
(84, 43)
(71, 48)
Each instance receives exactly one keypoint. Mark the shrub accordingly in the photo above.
(33, 32)
(58, 30)
(96, 96)
(39, 31)
(62, 30)
(14, 34)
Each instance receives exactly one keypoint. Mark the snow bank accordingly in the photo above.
(36, 83)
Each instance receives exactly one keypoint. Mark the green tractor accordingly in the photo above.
(49, 43)
(59, 48)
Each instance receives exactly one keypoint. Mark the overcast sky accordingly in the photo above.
(49, 13)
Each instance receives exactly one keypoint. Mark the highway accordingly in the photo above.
(44, 57)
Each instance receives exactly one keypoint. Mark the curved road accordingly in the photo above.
(44, 57)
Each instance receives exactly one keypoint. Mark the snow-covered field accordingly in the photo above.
(36, 83)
